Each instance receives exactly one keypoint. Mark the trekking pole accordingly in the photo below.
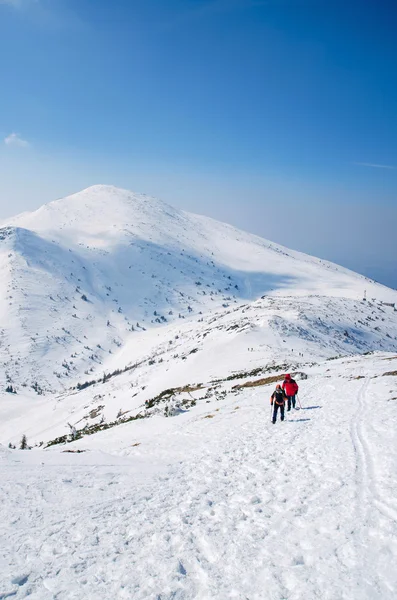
(299, 401)
(271, 412)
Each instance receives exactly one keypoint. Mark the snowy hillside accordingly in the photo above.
(139, 346)
(89, 275)
(216, 502)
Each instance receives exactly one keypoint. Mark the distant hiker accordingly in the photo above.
(290, 388)
(277, 399)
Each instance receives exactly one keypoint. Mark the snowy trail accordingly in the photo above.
(368, 478)
(378, 514)
(248, 511)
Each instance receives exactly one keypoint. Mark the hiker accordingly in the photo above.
(290, 388)
(278, 400)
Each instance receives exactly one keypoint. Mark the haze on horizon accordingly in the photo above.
(277, 117)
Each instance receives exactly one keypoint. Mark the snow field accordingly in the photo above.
(217, 502)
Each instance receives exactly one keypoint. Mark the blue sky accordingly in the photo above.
(277, 116)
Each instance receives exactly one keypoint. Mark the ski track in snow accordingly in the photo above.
(378, 515)
(364, 460)
(248, 511)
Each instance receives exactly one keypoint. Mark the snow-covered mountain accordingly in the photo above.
(139, 346)
(86, 277)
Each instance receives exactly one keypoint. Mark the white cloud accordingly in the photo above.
(14, 139)
(375, 166)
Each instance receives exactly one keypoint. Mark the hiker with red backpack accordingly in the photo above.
(277, 399)
(290, 388)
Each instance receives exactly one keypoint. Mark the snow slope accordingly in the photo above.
(217, 502)
(143, 343)
(272, 335)
(86, 275)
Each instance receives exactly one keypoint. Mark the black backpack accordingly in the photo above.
(279, 397)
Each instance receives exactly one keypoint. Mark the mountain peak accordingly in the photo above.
(103, 187)
(99, 189)
(96, 209)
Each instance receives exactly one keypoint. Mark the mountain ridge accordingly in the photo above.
(92, 273)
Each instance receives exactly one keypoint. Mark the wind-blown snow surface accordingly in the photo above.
(217, 502)
(85, 275)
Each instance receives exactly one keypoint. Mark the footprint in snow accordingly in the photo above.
(20, 579)
(181, 569)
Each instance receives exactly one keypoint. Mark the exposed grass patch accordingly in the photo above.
(390, 373)
(190, 388)
(258, 382)
(255, 372)
(95, 412)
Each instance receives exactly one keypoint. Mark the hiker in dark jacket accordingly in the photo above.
(277, 399)
(290, 388)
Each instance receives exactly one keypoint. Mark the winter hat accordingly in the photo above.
(288, 376)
